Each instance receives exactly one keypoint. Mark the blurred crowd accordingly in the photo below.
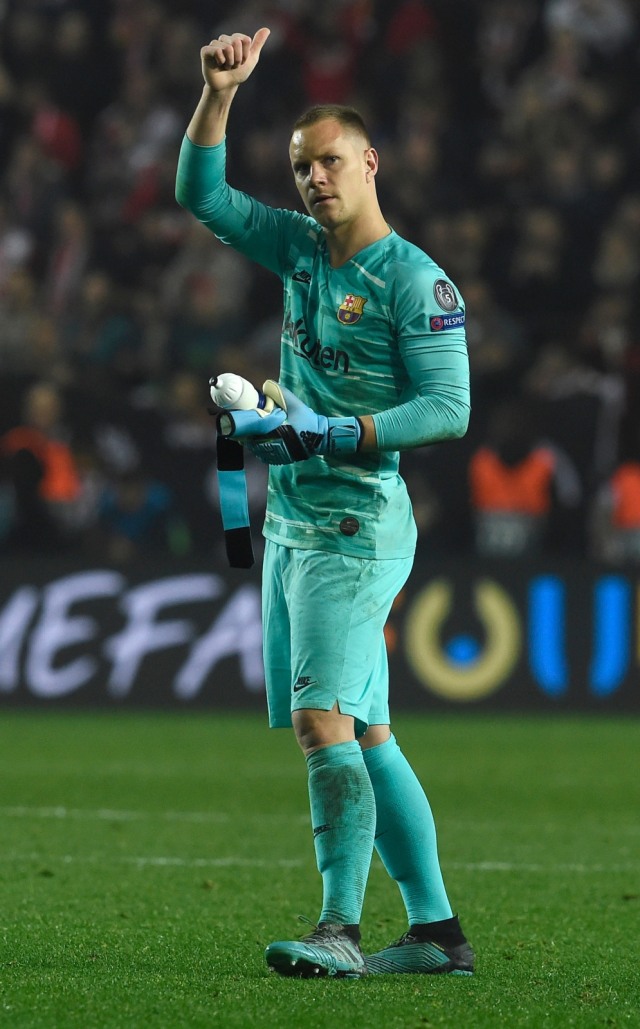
(509, 142)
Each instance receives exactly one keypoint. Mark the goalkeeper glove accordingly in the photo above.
(244, 426)
(292, 432)
(304, 434)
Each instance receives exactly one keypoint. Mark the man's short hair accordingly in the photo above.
(348, 117)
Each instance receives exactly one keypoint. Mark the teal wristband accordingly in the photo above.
(343, 436)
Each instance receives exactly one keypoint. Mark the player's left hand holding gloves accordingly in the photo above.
(293, 432)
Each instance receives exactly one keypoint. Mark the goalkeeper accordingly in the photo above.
(373, 362)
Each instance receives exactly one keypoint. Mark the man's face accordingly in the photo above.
(334, 170)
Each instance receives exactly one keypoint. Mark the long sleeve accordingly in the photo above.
(259, 232)
(434, 352)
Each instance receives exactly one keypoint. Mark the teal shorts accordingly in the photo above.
(323, 619)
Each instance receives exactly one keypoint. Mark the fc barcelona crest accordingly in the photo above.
(351, 308)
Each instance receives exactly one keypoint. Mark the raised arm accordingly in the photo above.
(227, 62)
(241, 221)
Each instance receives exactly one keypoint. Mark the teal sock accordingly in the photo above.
(343, 816)
(406, 833)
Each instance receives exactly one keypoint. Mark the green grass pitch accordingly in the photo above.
(147, 859)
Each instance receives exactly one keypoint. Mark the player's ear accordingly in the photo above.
(371, 161)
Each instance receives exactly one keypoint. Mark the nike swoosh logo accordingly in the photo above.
(296, 688)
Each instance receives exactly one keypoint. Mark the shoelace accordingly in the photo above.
(324, 933)
(406, 938)
(319, 932)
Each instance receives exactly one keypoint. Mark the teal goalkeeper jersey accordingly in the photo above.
(383, 335)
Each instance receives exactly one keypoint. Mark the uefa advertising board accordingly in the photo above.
(184, 634)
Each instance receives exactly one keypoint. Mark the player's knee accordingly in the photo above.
(315, 728)
(374, 736)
